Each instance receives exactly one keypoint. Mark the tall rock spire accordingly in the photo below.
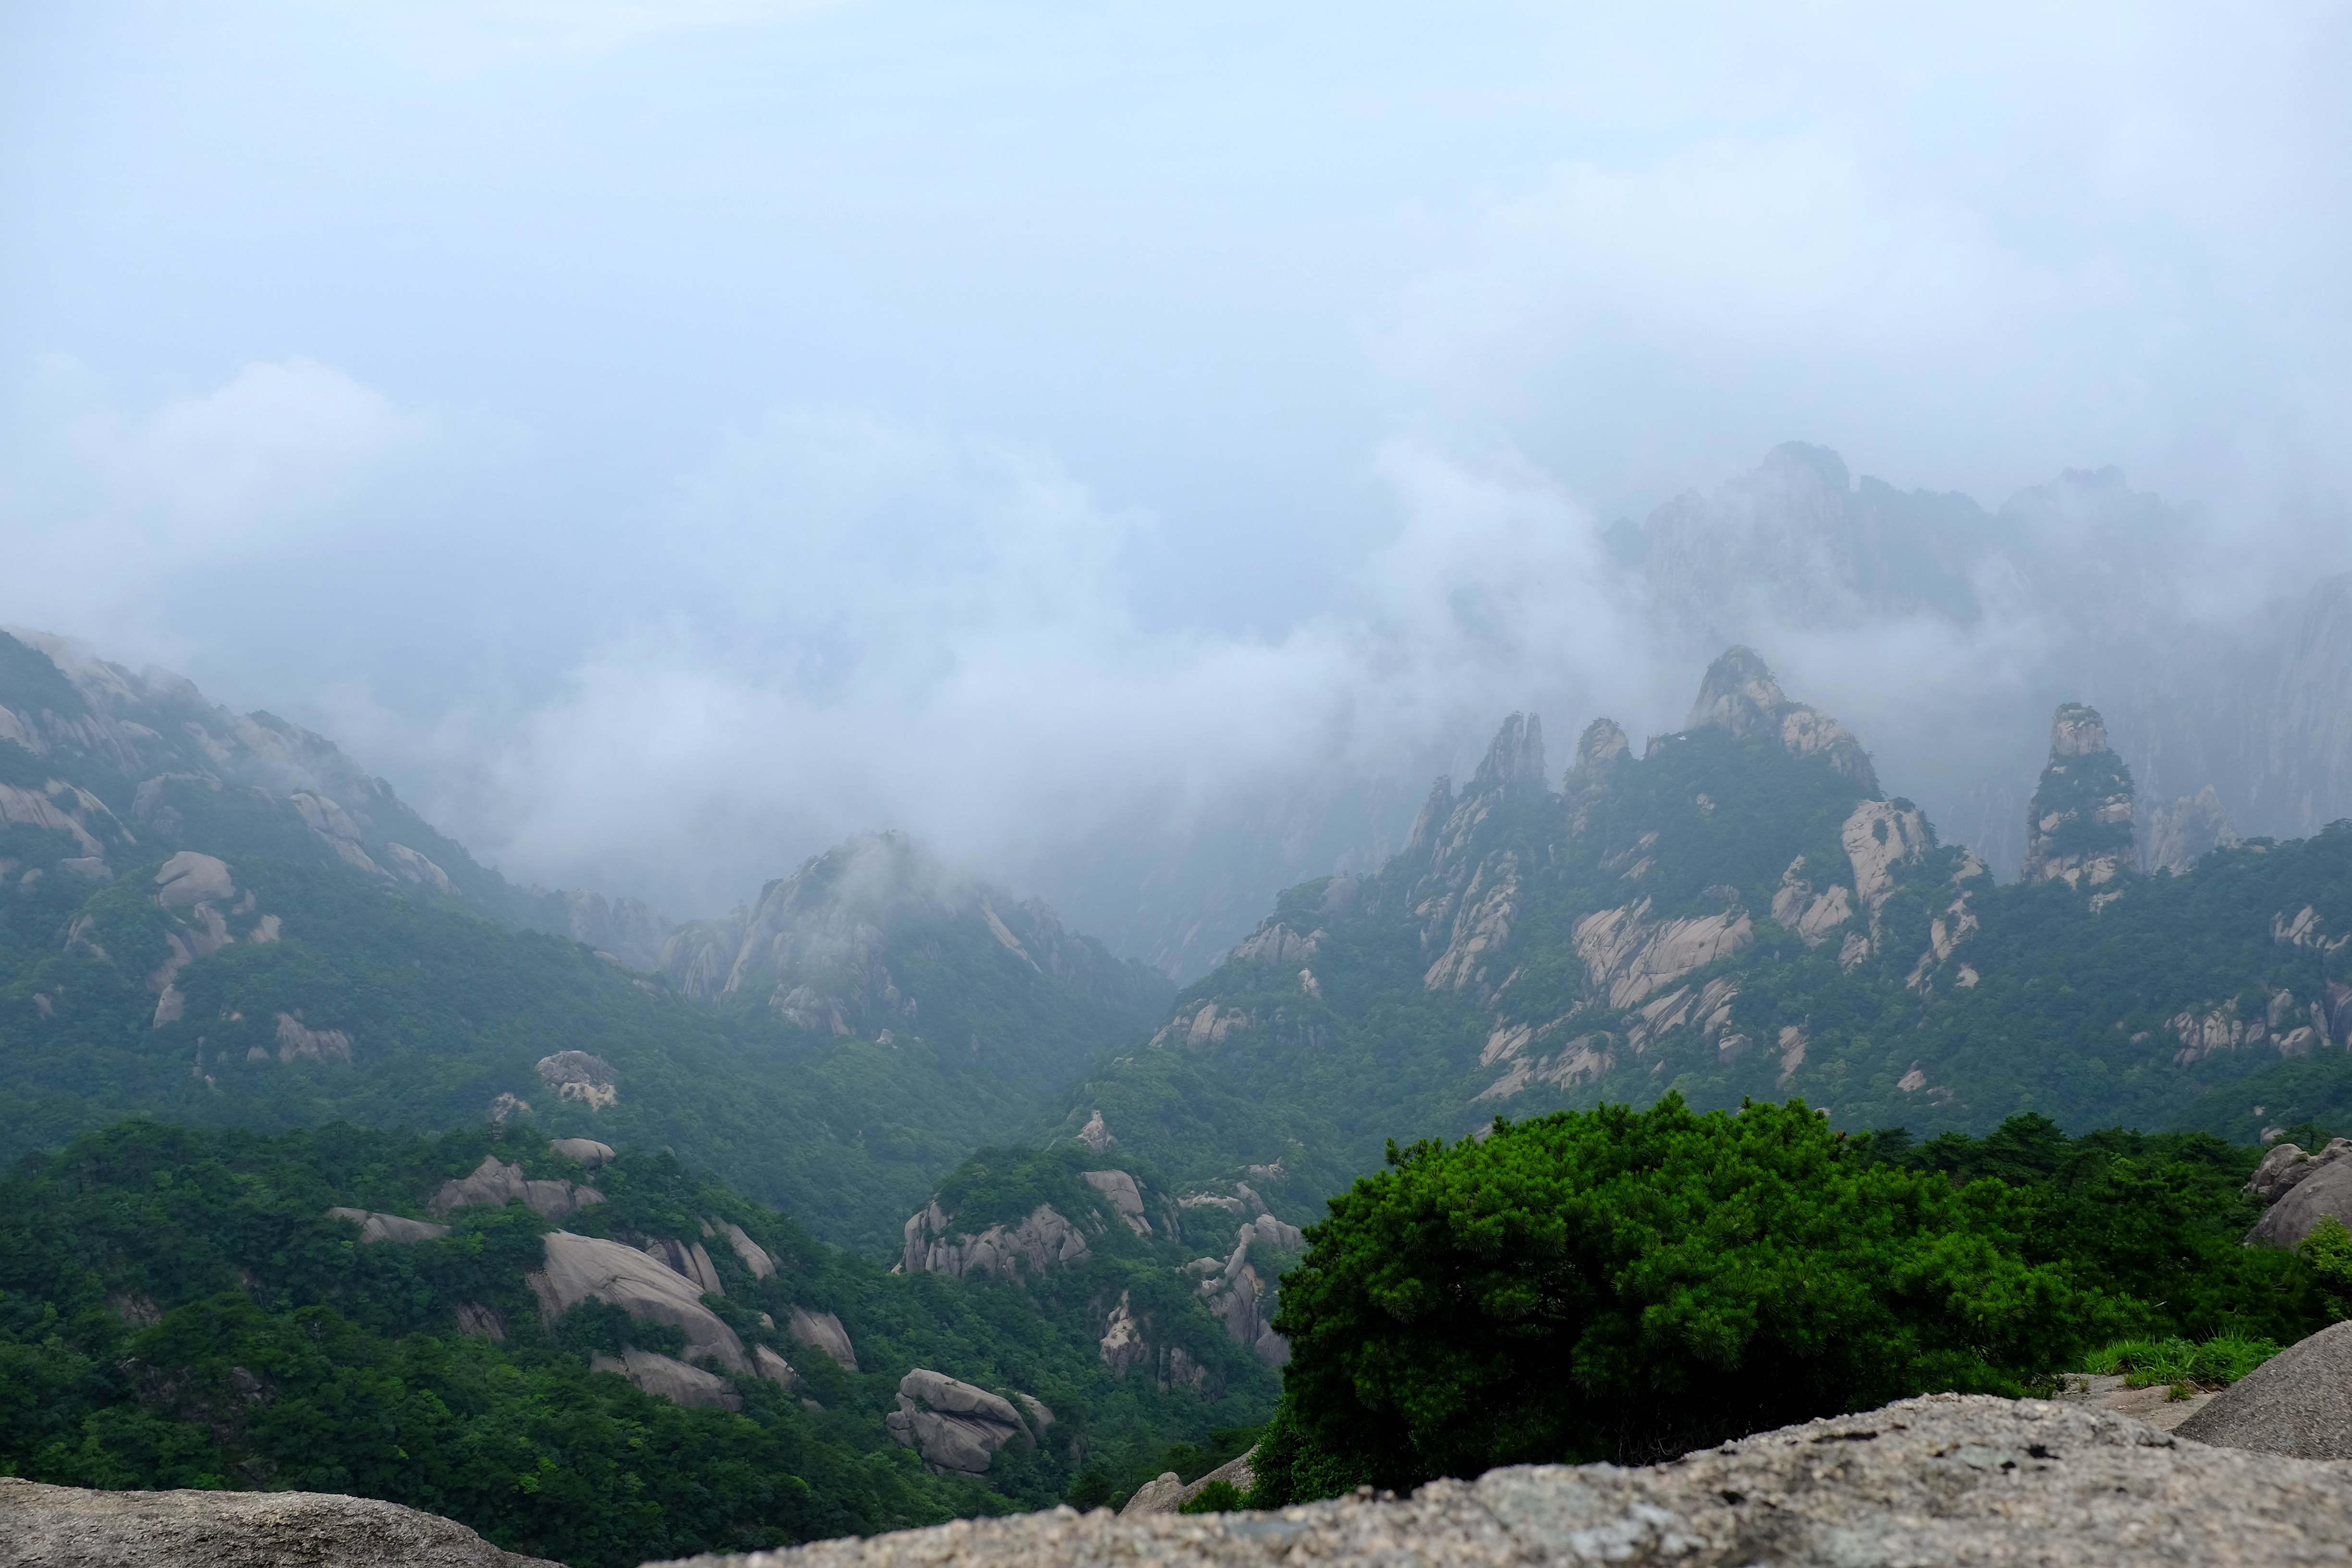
(2079, 829)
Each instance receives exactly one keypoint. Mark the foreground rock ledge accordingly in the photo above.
(1948, 1478)
(57, 1526)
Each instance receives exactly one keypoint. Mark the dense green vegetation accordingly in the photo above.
(1627, 1285)
(175, 1309)
(447, 1009)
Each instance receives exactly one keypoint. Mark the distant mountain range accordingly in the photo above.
(1953, 627)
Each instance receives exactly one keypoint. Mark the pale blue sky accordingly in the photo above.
(890, 380)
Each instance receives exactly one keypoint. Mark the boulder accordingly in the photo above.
(2286, 1163)
(576, 1075)
(67, 1525)
(2298, 1402)
(495, 1185)
(581, 1267)
(952, 1425)
(587, 1150)
(389, 1227)
(1125, 1196)
(775, 1368)
(189, 878)
(1947, 1479)
(666, 1377)
(1163, 1494)
(2325, 1192)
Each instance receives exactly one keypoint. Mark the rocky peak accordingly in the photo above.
(2175, 837)
(1601, 749)
(1739, 695)
(2079, 828)
(1516, 758)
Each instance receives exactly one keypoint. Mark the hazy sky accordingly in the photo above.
(725, 423)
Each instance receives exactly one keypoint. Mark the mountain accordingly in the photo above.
(2076, 589)
(592, 1356)
(2235, 721)
(1740, 911)
(152, 767)
(224, 921)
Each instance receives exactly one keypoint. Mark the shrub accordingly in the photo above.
(1628, 1285)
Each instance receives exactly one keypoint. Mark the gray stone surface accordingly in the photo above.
(390, 1226)
(822, 1331)
(495, 1185)
(666, 1377)
(1944, 1479)
(52, 1527)
(579, 1267)
(2299, 1402)
(951, 1424)
(2325, 1192)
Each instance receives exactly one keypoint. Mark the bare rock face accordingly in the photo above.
(496, 1184)
(1161, 1497)
(2325, 1193)
(690, 1261)
(1740, 695)
(389, 1227)
(576, 1075)
(755, 1257)
(1948, 1478)
(952, 1425)
(666, 1377)
(188, 878)
(822, 1331)
(2297, 1402)
(2286, 1163)
(2079, 827)
(1243, 1296)
(578, 1268)
(67, 1525)
(587, 1150)
(1123, 1195)
(2175, 837)
(1042, 1241)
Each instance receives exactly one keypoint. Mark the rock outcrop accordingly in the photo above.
(2325, 1193)
(1243, 1296)
(2298, 1402)
(2079, 827)
(1044, 1240)
(952, 1425)
(586, 1150)
(55, 1527)
(666, 1377)
(1948, 1478)
(1124, 1195)
(1171, 1492)
(822, 1331)
(2175, 837)
(580, 1267)
(576, 1075)
(1739, 694)
(495, 1183)
(2284, 1164)
(389, 1227)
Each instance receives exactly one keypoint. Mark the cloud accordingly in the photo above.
(108, 510)
(897, 627)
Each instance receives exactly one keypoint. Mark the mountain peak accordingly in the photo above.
(2078, 830)
(1602, 745)
(1739, 694)
(1516, 757)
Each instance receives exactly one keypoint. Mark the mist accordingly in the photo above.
(664, 440)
